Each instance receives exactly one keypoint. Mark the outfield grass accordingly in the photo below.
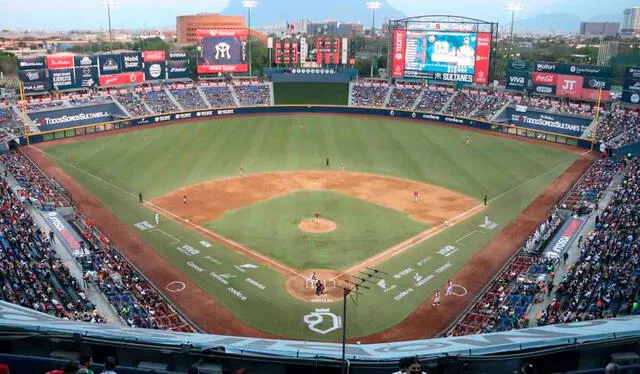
(158, 160)
(271, 226)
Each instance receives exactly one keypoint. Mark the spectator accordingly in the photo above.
(189, 98)
(132, 103)
(86, 360)
(109, 366)
(403, 97)
(612, 368)
(4, 369)
(465, 103)
(158, 100)
(218, 96)
(71, 367)
(433, 100)
(369, 94)
(253, 94)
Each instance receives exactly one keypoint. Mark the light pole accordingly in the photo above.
(373, 5)
(513, 6)
(249, 4)
(109, 3)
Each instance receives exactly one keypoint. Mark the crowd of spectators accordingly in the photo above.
(491, 106)
(132, 104)
(131, 295)
(218, 96)
(585, 195)
(255, 94)
(158, 101)
(465, 103)
(9, 121)
(369, 95)
(35, 187)
(403, 98)
(32, 274)
(42, 105)
(433, 100)
(189, 98)
(618, 127)
(604, 281)
(89, 100)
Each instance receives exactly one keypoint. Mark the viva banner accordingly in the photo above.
(483, 52)
(399, 45)
(222, 51)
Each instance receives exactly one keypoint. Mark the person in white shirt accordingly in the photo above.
(157, 219)
(109, 366)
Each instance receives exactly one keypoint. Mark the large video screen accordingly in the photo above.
(440, 52)
(454, 56)
(222, 51)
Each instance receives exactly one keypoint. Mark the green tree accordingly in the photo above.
(8, 63)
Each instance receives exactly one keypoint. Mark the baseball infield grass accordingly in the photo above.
(158, 160)
(271, 226)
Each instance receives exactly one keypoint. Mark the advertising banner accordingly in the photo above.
(595, 95)
(631, 97)
(632, 72)
(279, 52)
(319, 49)
(545, 67)
(222, 51)
(336, 51)
(59, 62)
(549, 122)
(30, 63)
(154, 56)
(344, 51)
(86, 76)
(131, 61)
(544, 89)
(440, 52)
(62, 79)
(70, 117)
(398, 52)
(631, 85)
(483, 51)
(516, 64)
(35, 81)
(545, 79)
(122, 79)
(572, 69)
(85, 61)
(155, 70)
(178, 69)
(178, 55)
(517, 79)
(109, 64)
(569, 86)
(596, 83)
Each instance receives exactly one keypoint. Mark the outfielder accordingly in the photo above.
(241, 171)
(184, 198)
(342, 166)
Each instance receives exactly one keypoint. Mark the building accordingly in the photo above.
(337, 29)
(631, 21)
(599, 29)
(187, 25)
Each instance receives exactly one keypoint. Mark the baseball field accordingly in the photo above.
(235, 252)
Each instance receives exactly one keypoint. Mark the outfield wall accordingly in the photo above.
(310, 109)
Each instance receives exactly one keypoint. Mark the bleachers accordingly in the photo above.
(218, 96)
(403, 97)
(189, 98)
(253, 94)
(369, 94)
(433, 100)
(157, 99)
(132, 104)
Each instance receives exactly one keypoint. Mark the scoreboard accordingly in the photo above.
(328, 50)
(286, 51)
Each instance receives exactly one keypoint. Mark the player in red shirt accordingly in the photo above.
(416, 195)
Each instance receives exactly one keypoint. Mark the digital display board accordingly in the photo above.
(222, 51)
(444, 55)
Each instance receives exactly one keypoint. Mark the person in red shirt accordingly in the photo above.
(416, 196)
(184, 198)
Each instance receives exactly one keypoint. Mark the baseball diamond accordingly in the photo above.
(239, 256)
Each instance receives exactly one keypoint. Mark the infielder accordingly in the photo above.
(449, 290)
(184, 198)
(436, 298)
(416, 196)
(342, 166)
(241, 171)
(157, 219)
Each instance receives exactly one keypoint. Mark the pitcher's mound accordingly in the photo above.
(317, 226)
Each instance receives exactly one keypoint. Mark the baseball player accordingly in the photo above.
(157, 219)
(342, 166)
(241, 171)
(449, 290)
(485, 200)
(140, 200)
(184, 198)
(467, 140)
(327, 161)
(436, 298)
(416, 196)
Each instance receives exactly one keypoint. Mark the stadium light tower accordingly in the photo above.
(249, 4)
(513, 6)
(109, 4)
(373, 5)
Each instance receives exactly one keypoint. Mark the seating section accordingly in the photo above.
(189, 98)
(491, 106)
(35, 186)
(619, 127)
(158, 101)
(403, 98)
(9, 121)
(433, 101)
(255, 94)
(586, 194)
(604, 281)
(133, 104)
(369, 95)
(218, 96)
(32, 274)
(464, 103)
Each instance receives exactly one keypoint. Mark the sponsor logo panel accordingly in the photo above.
(154, 56)
(569, 86)
(62, 79)
(398, 54)
(59, 62)
(131, 61)
(29, 63)
(109, 64)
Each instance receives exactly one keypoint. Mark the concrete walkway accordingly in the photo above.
(92, 292)
(573, 250)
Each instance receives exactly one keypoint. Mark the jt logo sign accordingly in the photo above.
(569, 85)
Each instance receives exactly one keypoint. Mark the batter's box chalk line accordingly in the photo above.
(329, 283)
(175, 286)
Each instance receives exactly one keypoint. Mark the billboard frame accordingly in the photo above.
(466, 24)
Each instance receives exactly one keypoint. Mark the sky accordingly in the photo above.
(92, 14)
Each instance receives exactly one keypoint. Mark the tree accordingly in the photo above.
(8, 63)
(364, 66)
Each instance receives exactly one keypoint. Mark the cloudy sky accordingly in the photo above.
(91, 14)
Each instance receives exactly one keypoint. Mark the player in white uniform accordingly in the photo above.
(449, 290)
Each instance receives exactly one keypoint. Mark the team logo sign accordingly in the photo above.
(322, 321)
(222, 51)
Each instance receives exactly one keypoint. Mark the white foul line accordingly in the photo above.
(218, 236)
(169, 235)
